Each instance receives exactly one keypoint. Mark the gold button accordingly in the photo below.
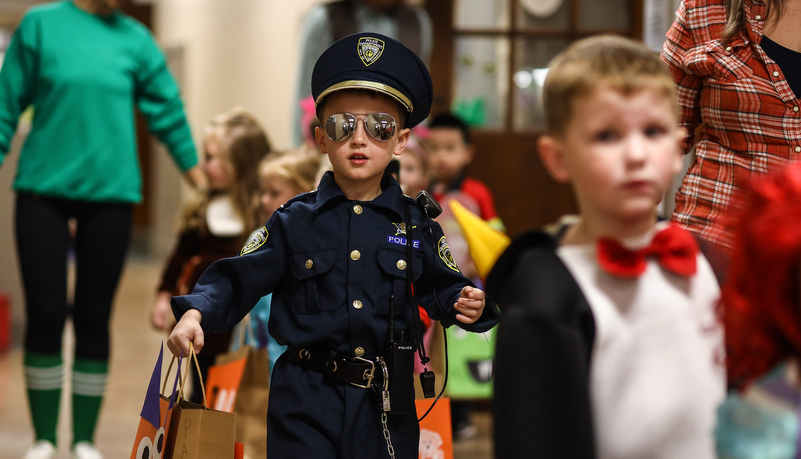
(309, 263)
(798, 149)
(357, 209)
(355, 255)
(795, 109)
(728, 49)
(357, 304)
(401, 264)
(758, 17)
(775, 73)
(359, 352)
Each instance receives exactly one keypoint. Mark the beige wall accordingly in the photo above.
(226, 53)
(10, 283)
(236, 52)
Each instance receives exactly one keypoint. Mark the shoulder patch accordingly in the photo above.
(445, 254)
(255, 242)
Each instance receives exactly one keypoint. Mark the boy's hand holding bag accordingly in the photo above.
(197, 432)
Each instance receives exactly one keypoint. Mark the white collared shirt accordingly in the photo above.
(656, 374)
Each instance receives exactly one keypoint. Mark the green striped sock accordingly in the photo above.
(44, 374)
(88, 386)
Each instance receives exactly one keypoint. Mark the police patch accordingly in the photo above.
(445, 254)
(369, 49)
(400, 228)
(255, 242)
(402, 241)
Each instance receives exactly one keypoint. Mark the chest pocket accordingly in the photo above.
(394, 266)
(732, 65)
(313, 269)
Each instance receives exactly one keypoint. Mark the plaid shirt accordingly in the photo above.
(737, 98)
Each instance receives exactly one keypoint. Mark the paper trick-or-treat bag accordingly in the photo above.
(198, 432)
(239, 382)
(156, 411)
(436, 438)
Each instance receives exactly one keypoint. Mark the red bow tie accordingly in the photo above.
(674, 249)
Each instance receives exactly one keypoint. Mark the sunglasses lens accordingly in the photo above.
(340, 126)
(380, 125)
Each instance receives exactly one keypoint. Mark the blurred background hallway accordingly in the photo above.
(489, 58)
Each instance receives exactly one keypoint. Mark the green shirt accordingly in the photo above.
(83, 73)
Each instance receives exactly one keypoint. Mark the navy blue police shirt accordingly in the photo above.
(333, 265)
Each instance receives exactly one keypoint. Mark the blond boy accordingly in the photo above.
(608, 343)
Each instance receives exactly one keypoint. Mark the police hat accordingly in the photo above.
(375, 62)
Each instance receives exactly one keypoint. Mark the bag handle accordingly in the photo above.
(167, 376)
(247, 332)
(192, 356)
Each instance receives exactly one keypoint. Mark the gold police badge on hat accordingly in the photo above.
(256, 241)
(369, 49)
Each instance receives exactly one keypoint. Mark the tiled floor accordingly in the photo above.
(134, 351)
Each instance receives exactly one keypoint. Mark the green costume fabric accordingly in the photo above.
(83, 74)
(43, 378)
(88, 386)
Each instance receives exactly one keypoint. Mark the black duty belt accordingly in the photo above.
(357, 371)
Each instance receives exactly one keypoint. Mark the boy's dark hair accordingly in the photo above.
(451, 121)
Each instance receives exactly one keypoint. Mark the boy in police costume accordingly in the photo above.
(340, 262)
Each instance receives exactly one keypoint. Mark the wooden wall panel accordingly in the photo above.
(525, 195)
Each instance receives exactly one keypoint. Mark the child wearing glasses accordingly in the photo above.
(347, 265)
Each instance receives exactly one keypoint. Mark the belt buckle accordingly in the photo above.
(368, 374)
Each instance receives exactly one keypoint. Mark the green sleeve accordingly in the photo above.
(159, 100)
(17, 80)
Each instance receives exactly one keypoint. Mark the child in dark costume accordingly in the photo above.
(608, 344)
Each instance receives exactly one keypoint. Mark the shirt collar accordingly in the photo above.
(754, 26)
(391, 196)
(327, 190)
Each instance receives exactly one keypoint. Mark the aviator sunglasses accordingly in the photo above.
(340, 126)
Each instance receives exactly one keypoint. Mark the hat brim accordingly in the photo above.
(370, 85)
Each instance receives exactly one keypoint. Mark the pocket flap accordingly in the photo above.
(393, 261)
(310, 263)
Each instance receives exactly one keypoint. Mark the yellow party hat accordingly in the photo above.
(486, 244)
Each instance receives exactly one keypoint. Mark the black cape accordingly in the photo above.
(544, 342)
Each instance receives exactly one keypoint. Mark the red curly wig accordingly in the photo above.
(761, 302)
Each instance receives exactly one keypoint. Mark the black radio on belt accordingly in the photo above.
(400, 363)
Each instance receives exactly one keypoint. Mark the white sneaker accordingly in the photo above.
(85, 450)
(42, 449)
